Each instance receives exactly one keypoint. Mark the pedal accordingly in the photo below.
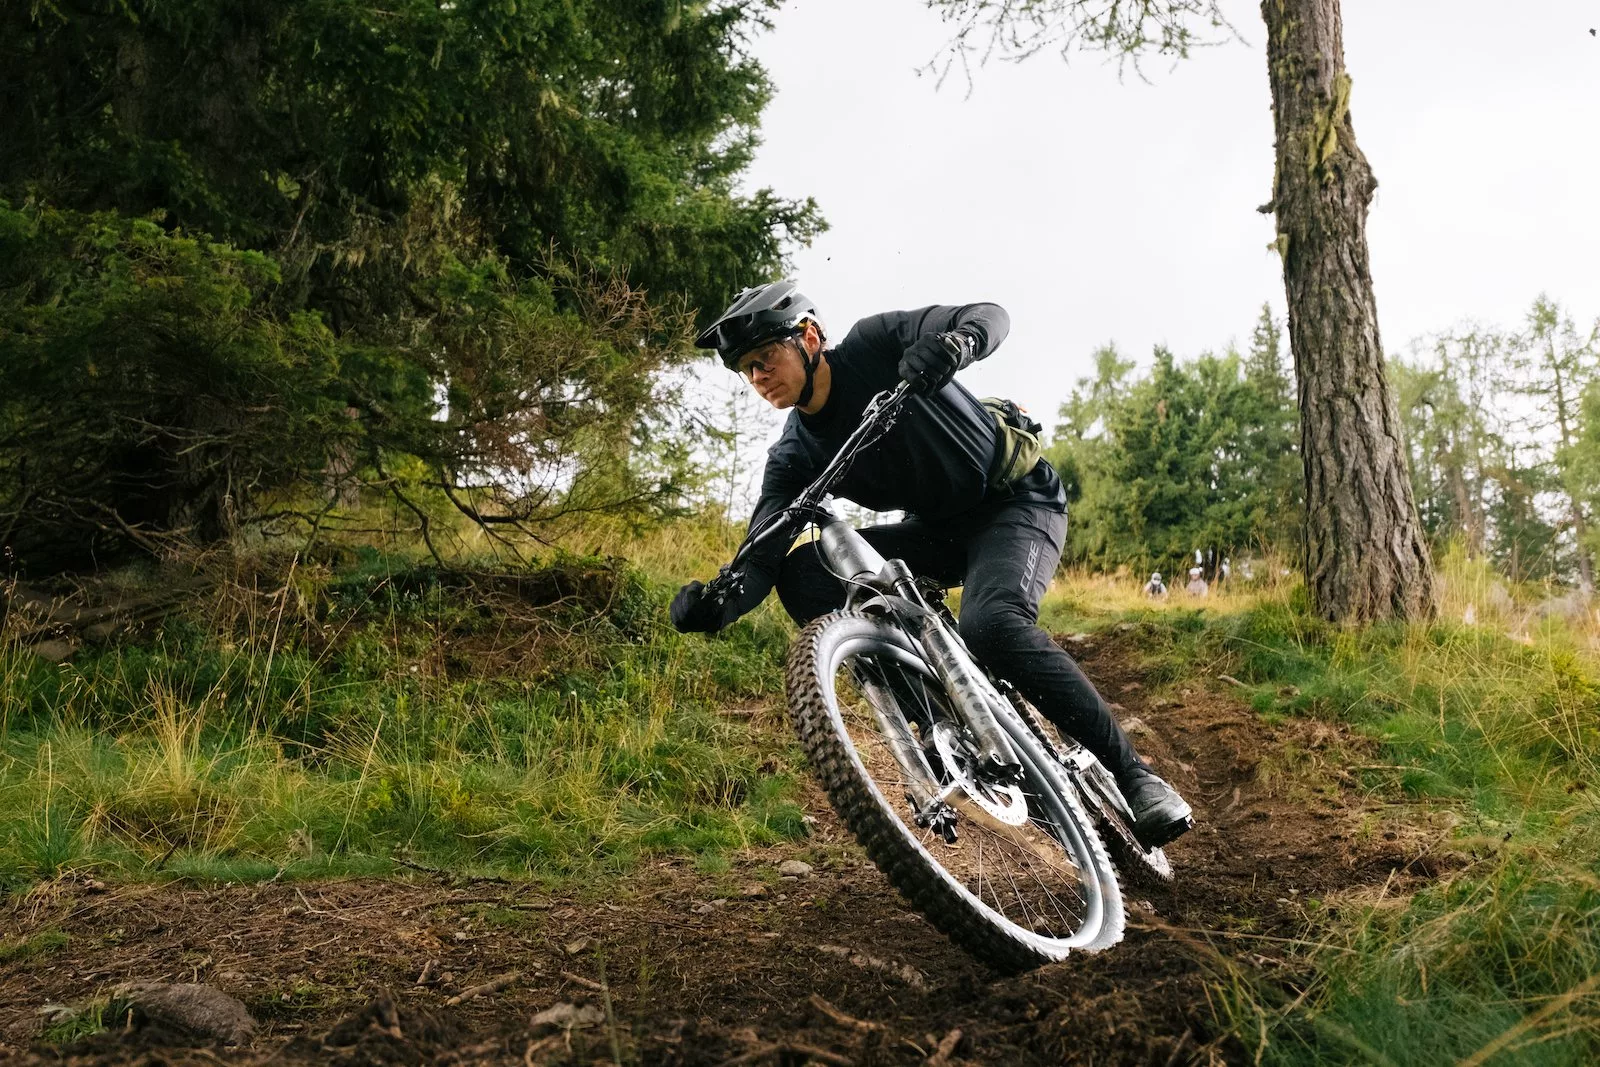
(1165, 835)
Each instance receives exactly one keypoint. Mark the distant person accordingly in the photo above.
(1155, 588)
(1002, 541)
(1197, 584)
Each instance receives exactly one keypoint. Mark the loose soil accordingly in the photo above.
(743, 966)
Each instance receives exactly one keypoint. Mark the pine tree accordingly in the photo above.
(1190, 456)
(1272, 438)
(489, 227)
(1557, 367)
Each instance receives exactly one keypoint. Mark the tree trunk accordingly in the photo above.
(1580, 530)
(1466, 509)
(1365, 556)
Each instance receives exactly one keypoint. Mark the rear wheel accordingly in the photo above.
(1026, 880)
(1143, 866)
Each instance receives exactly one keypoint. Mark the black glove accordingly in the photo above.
(934, 358)
(694, 612)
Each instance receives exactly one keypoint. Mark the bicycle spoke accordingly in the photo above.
(1022, 872)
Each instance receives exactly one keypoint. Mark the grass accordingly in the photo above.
(1490, 731)
(369, 710)
(322, 719)
(21, 949)
(71, 1023)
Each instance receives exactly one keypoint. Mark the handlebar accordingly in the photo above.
(878, 419)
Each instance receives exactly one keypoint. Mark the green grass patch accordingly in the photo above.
(316, 721)
(22, 949)
(73, 1023)
(1496, 734)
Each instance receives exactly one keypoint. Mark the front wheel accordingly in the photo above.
(1019, 886)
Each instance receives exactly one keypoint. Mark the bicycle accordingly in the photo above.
(949, 778)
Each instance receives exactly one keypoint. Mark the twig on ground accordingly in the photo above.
(587, 983)
(1231, 680)
(452, 875)
(493, 985)
(903, 971)
(419, 866)
(1177, 1050)
(947, 1047)
(841, 1018)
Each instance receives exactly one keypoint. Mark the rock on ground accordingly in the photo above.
(200, 1009)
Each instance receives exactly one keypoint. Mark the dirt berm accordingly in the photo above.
(743, 966)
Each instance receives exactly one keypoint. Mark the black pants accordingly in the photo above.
(1004, 560)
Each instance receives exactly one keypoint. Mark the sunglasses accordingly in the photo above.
(751, 367)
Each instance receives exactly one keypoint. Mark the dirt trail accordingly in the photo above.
(743, 966)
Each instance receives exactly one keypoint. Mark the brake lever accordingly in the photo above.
(729, 582)
(727, 585)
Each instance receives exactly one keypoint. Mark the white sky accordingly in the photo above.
(1100, 209)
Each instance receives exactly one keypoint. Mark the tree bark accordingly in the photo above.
(1365, 555)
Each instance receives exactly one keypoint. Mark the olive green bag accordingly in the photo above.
(1018, 443)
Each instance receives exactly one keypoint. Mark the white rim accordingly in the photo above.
(1090, 884)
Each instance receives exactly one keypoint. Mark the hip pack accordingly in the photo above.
(1018, 445)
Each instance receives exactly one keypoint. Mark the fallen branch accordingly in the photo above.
(903, 971)
(1231, 680)
(841, 1018)
(587, 983)
(947, 1047)
(493, 985)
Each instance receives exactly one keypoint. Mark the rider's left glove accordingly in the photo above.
(933, 359)
(693, 611)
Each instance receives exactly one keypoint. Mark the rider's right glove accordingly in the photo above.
(934, 358)
(693, 611)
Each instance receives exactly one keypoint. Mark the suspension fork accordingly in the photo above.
(921, 783)
(975, 700)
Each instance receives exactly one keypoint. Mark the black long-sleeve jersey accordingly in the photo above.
(934, 464)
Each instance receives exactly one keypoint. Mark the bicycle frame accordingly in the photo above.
(874, 584)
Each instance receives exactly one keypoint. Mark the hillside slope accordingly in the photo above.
(740, 964)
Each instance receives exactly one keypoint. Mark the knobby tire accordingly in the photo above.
(1141, 866)
(876, 820)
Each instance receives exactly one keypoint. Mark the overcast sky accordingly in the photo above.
(1096, 208)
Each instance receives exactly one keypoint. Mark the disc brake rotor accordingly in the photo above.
(988, 801)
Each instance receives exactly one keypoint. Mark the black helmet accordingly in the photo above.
(758, 315)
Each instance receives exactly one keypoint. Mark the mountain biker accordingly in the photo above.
(1155, 588)
(1002, 543)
